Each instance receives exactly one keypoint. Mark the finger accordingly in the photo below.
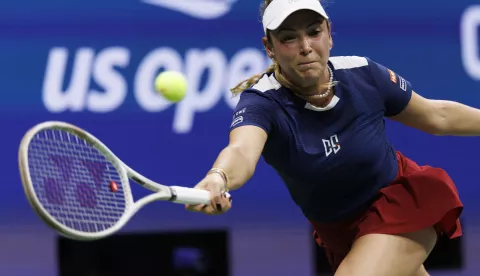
(214, 205)
(215, 198)
(226, 203)
(190, 207)
(209, 210)
(221, 203)
(195, 208)
(200, 208)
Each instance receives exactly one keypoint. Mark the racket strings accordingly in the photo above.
(72, 180)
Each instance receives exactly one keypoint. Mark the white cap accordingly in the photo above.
(278, 10)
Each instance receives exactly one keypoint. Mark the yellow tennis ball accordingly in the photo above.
(171, 85)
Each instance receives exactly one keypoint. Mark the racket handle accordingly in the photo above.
(191, 196)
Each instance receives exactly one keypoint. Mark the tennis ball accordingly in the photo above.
(171, 85)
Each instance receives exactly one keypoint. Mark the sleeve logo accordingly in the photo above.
(403, 84)
(393, 76)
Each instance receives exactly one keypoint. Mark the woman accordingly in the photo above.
(319, 122)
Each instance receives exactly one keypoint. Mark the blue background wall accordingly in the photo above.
(104, 56)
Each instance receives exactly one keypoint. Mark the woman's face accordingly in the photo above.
(301, 47)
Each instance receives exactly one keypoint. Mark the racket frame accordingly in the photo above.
(175, 194)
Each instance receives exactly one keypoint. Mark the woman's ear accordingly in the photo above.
(268, 47)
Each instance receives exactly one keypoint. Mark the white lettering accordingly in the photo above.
(77, 96)
(105, 75)
(209, 74)
(237, 121)
(73, 98)
(331, 145)
(240, 112)
(470, 41)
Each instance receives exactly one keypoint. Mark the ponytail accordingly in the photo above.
(252, 80)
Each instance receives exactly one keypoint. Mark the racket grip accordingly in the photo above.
(191, 196)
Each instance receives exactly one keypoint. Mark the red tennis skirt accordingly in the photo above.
(420, 196)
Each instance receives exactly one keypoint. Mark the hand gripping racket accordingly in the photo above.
(80, 188)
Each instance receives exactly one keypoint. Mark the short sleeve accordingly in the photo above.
(395, 90)
(254, 108)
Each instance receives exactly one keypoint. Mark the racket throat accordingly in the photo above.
(173, 194)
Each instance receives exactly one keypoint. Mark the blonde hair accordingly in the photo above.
(273, 68)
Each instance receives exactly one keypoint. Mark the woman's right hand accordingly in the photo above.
(219, 202)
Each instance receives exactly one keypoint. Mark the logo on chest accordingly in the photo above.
(331, 145)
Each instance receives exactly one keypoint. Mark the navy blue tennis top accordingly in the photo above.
(333, 160)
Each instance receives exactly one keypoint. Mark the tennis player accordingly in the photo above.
(319, 122)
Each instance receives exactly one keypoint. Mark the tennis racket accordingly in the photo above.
(80, 188)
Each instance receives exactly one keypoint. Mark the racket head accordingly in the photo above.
(67, 177)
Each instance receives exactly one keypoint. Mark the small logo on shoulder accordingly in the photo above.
(237, 121)
(393, 76)
(240, 112)
(403, 84)
(331, 145)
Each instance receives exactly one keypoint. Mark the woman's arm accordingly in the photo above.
(234, 167)
(239, 159)
(440, 117)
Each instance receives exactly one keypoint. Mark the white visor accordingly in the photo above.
(278, 10)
